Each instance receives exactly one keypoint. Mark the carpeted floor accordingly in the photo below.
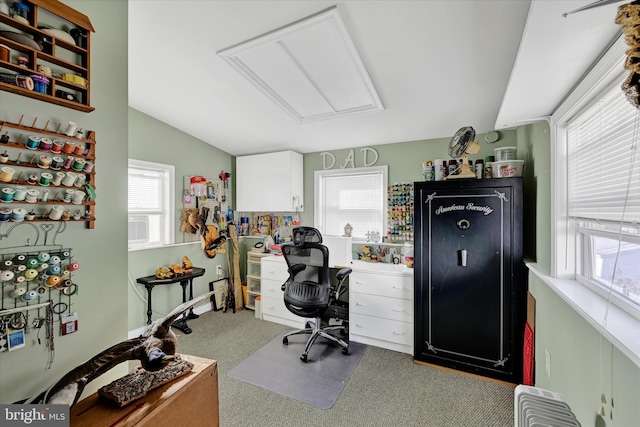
(386, 388)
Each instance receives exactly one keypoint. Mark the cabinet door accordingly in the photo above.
(467, 293)
(282, 181)
(249, 184)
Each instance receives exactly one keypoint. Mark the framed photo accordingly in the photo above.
(15, 338)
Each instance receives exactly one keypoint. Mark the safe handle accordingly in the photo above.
(462, 258)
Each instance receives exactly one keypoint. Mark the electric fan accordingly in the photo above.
(463, 144)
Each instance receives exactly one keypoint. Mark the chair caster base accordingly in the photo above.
(345, 351)
(285, 340)
(304, 357)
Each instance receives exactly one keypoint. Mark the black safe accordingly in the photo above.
(470, 288)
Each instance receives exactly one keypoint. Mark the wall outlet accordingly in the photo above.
(219, 271)
(547, 362)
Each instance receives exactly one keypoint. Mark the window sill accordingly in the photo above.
(622, 329)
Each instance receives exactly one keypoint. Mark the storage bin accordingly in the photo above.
(507, 169)
(4, 53)
(505, 153)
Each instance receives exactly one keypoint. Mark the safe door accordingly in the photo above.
(464, 278)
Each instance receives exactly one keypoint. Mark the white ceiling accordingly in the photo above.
(437, 65)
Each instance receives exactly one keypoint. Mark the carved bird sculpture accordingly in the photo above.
(155, 348)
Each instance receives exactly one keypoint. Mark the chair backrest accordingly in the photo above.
(308, 288)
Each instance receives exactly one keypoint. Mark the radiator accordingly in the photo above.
(537, 407)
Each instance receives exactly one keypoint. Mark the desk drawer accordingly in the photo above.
(383, 329)
(386, 285)
(275, 270)
(275, 307)
(387, 308)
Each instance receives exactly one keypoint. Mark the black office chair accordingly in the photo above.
(309, 292)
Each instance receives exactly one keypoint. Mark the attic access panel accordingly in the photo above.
(310, 68)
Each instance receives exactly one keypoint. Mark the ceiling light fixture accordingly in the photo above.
(310, 68)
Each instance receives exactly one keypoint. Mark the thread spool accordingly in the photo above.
(88, 166)
(45, 179)
(6, 174)
(17, 292)
(41, 290)
(32, 263)
(57, 179)
(78, 197)
(33, 179)
(33, 142)
(21, 193)
(5, 214)
(69, 179)
(79, 150)
(44, 161)
(68, 147)
(56, 163)
(32, 196)
(70, 290)
(30, 295)
(55, 259)
(56, 213)
(18, 280)
(43, 267)
(71, 129)
(7, 194)
(6, 275)
(44, 257)
(69, 162)
(45, 144)
(80, 181)
(31, 274)
(18, 214)
(7, 264)
(78, 164)
(19, 268)
(57, 146)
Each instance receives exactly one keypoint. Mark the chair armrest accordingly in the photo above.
(342, 273)
(295, 269)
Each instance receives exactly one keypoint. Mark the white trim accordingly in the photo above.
(621, 329)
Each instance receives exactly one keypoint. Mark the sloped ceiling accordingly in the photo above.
(437, 66)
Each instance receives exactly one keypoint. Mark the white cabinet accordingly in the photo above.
(381, 309)
(273, 275)
(271, 182)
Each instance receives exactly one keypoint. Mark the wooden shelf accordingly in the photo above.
(52, 55)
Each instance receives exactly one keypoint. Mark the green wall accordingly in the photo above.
(102, 252)
(155, 141)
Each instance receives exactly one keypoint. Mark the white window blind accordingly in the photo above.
(145, 190)
(355, 196)
(150, 204)
(603, 167)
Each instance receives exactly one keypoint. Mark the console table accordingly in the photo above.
(184, 279)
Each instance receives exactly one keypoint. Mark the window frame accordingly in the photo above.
(319, 204)
(168, 202)
(597, 308)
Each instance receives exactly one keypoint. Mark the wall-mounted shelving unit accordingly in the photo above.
(68, 58)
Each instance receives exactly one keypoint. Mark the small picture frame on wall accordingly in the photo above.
(15, 339)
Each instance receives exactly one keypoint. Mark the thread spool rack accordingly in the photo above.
(52, 302)
(21, 159)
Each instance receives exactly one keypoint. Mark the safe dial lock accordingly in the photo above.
(463, 224)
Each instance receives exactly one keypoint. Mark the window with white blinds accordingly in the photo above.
(355, 196)
(603, 160)
(150, 204)
(603, 182)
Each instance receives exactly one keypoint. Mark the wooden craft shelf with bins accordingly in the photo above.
(60, 55)
(253, 277)
(28, 164)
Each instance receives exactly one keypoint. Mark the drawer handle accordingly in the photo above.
(360, 304)
(398, 333)
(360, 325)
(358, 282)
(399, 310)
(398, 287)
